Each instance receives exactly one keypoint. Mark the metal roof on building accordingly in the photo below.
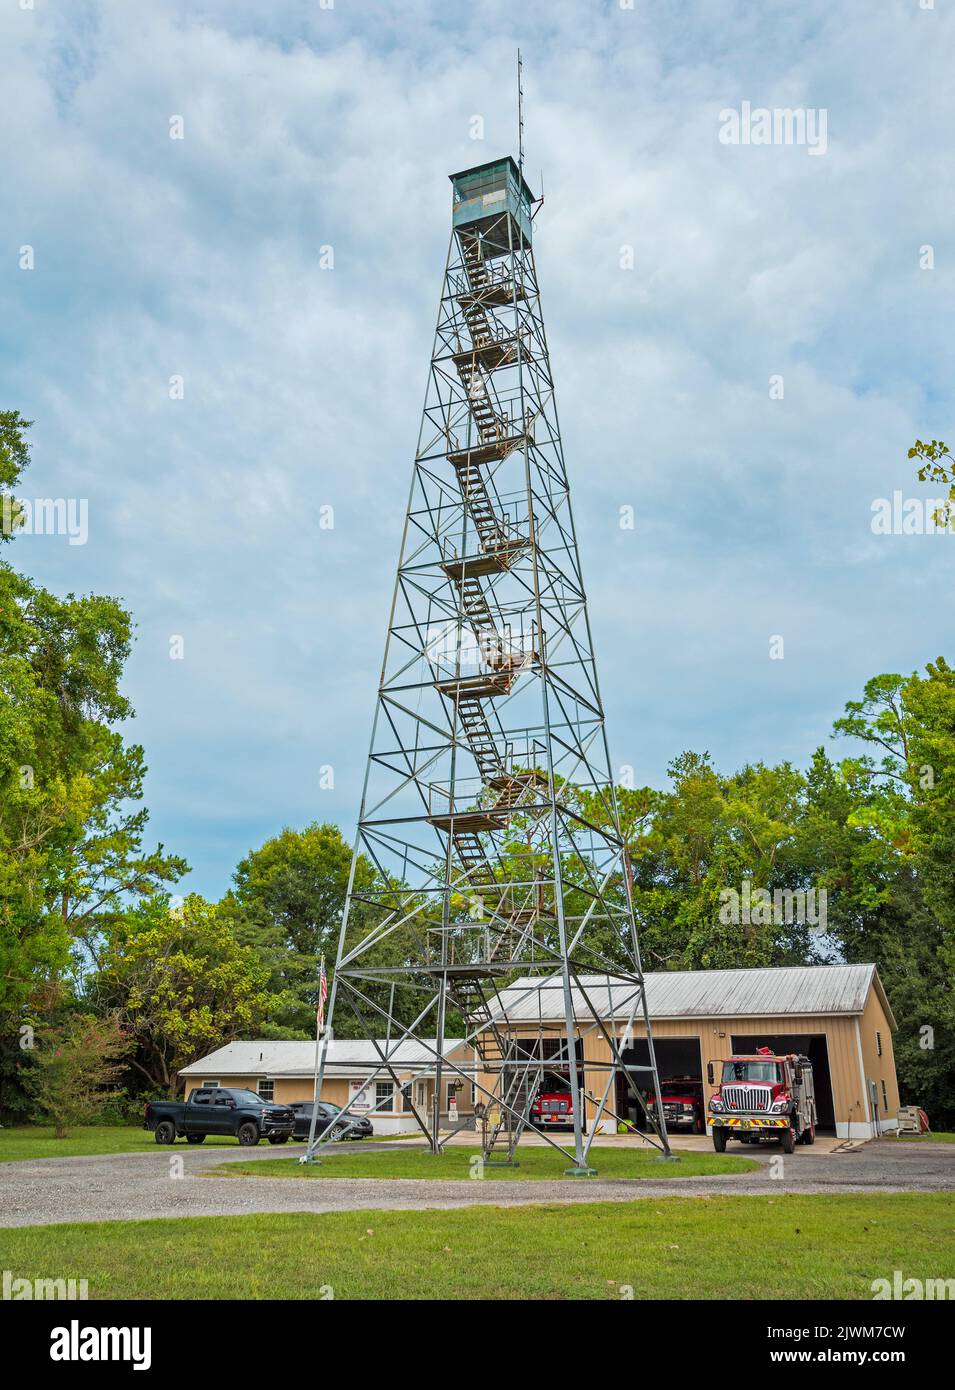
(286, 1059)
(787, 990)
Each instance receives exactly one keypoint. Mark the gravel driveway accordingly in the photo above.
(115, 1187)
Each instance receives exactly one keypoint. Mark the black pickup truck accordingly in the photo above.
(219, 1110)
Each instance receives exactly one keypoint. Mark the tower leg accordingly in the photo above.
(580, 1167)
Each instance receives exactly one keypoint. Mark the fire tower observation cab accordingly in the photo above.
(482, 195)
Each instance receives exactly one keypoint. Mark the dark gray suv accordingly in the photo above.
(343, 1124)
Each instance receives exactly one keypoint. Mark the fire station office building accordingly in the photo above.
(836, 1015)
(284, 1072)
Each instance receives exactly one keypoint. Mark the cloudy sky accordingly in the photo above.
(306, 127)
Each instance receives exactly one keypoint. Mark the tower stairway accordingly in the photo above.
(478, 323)
(500, 289)
(475, 608)
(507, 791)
(490, 425)
(479, 738)
(519, 1085)
(477, 499)
(477, 272)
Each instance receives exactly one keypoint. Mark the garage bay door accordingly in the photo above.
(812, 1046)
(677, 1059)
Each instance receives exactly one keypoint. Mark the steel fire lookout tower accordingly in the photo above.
(489, 869)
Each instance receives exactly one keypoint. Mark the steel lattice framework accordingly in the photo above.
(488, 811)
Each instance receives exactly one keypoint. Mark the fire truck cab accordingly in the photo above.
(764, 1096)
(552, 1110)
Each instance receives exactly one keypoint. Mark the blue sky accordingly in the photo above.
(307, 127)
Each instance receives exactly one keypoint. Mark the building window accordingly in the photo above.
(473, 1094)
(211, 1083)
(885, 1099)
(878, 1043)
(266, 1088)
(384, 1095)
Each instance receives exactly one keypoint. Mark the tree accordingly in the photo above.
(931, 706)
(181, 984)
(897, 856)
(296, 884)
(73, 1069)
(71, 826)
(287, 902)
(937, 466)
(710, 856)
(14, 459)
(852, 839)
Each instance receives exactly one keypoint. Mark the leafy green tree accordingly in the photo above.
(699, 848)
(181, 985)
(931, 768)
(295, 884)
(14, 459)
(71, 828)
(852, 839)
(895, 852)
(286, 902)
(74, 1069)
(937, 466)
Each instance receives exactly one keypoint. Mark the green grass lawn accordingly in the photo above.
(35, 1141)
(678, 1247)
(944, 1137)
(535, 1163)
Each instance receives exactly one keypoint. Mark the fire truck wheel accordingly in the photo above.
(719, 1140)
(808, 1135)
(788, 1140)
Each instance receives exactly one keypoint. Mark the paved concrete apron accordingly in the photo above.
(115, 1187)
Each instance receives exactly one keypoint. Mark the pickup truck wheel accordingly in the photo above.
(278, 1138)
(788, 1140)
(196, 1138)
(719, 1139)
(165, 1132)
(248, 1134)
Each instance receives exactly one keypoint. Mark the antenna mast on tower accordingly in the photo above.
(520, 114)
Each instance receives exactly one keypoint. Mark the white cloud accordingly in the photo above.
(307, 127)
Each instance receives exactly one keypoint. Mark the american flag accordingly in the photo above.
(322, 996)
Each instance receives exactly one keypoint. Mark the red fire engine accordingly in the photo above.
(764, 1096)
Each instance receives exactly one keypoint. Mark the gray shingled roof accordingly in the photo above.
(346, 1057)
(788, 990)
